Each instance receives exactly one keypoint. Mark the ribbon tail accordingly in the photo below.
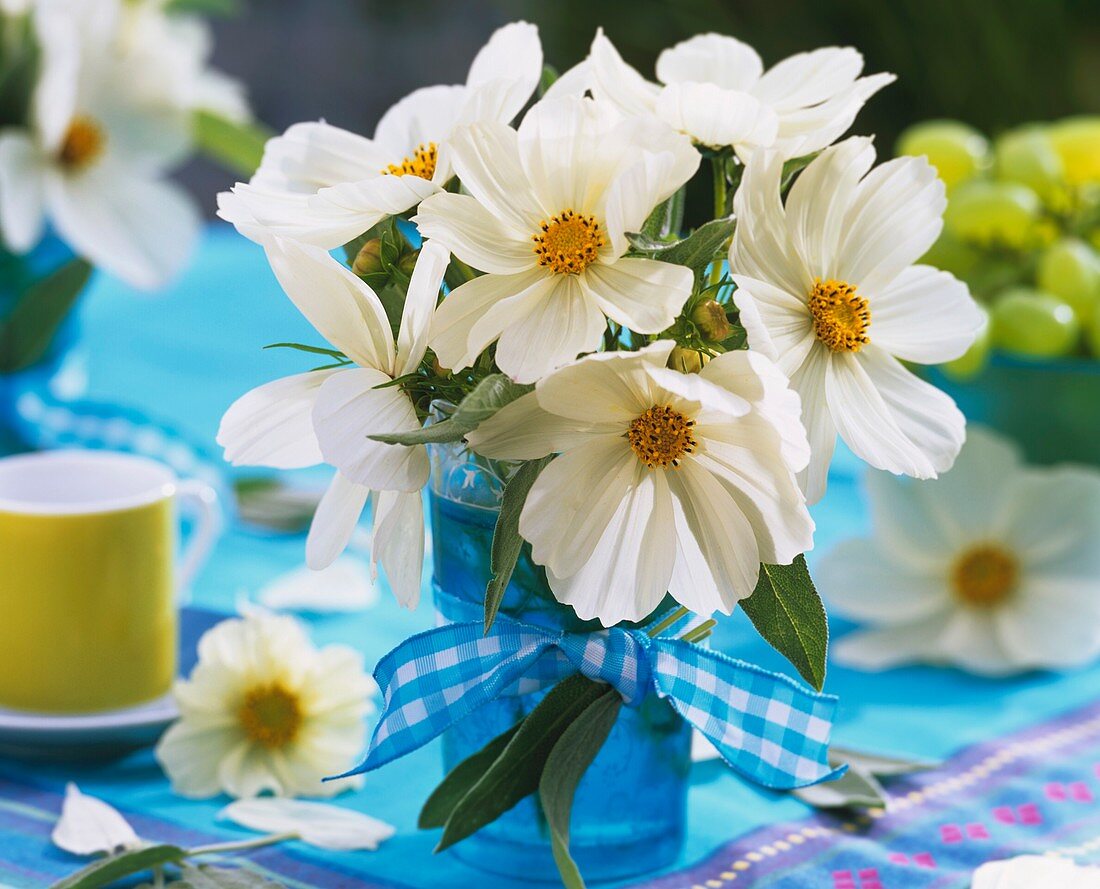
(766, 726)
(435, 678)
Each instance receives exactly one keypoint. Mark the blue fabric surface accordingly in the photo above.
(183, 357)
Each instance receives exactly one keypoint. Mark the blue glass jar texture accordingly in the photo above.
(630, 809)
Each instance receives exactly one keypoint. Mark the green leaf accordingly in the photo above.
(854, 789)
(515, 773)
(697, 251)
(461, 779)
(488, 397)
(207, 876)
(104, 871)
(792, 168)
(29, 328)
(665, 220)
(879, 764)
(787, 611)
(547, 79)
(239, 146)
(203, 7)
(565, 767)
(313, 350)
(507, 542)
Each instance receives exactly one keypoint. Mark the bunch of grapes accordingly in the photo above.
(1022, 228)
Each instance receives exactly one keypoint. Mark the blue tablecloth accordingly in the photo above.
(184, 355)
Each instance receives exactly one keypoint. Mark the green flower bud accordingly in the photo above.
(368, 261)
(687, 361)
(408, 262)
(711, 320)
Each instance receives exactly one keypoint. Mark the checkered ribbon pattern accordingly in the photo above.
(766, 726)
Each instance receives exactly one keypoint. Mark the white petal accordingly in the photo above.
(809, 78)
(909, 524)
(314, 155)
(806, 130)
(925, 315)
(971, 640)
(613, 80)
(1051, 625)
(318, 824)
(717, 117)
(339, 213)
(399, 542)
(416, 316)
(462, 225)
(523, 430)
(345, 311)
(22, 214)
(1053, 519)
(334, 522)
(711, 58)
(642, 294)
(344, 586)
(272, 424)
(1027, 871)
(348, 410)
(881, 649)
(809, 381)
(89, 826)
(190, 754)
(513, 56)
(54, 101)
(778, 324)
(425, 115)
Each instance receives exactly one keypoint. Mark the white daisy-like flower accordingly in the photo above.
(827, 287)
(995, 567)
(665, 481)
(324, 185)
(327, 416)
(92, 163)
(1035, 872)
(266, 711)
(546, 217)
(714, 89)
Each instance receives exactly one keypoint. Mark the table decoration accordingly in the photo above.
(993, 567)
(565, 367)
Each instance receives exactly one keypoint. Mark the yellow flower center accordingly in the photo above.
(568, 243)
(83, 143)
(661, 436)
(270, 715)
(984, 575)
(420, 164)
(841, 316)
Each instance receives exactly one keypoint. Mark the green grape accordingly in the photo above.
(1070, 269)
(952, 255)
(1032, 323)
(993, 213)
(956, 150)
(1077, 142)
(974, 360)
(1092, 335)
(1027, 156)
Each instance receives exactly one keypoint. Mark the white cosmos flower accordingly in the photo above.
(266, 711)
(324, 185)
(665, 481)
(827, 288)
(994, 567)
(546, 217)
(328, 415)
(1035, 872)
(714, 89)
(92, 163)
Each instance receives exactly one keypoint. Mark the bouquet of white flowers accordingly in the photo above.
(664, 403)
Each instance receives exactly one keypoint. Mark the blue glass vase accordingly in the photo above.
(630, 808)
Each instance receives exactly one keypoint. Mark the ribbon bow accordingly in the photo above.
(766, 726)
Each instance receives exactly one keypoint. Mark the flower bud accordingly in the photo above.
(687, 361)
(710, 318)
(368, 261)
(408, 262)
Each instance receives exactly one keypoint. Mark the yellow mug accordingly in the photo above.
(88, 580)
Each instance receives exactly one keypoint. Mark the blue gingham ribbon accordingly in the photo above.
(765, 725)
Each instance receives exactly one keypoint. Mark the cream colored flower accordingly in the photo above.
(665, 481)
(1035, 872)
(266, 711)
(994, 567)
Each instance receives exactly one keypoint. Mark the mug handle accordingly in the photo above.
(199, 499)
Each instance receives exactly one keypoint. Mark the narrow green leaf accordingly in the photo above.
(30, 326)
(459, 781)
(206, 876)
(854, 789)
(565, 767)
(516, 772)
(507, 542)
(792, 168)
(237, 146)
(488, 397)
(203, 7)
(105, 871)
(313, 350)
(547, 79)
(787, 611)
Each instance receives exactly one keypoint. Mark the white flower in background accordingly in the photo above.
(1035, 872)
(266, 711)
(827, 287)
(546, 216)
(324, 185)
(328, 415)
(344, 586)
(714, 89)
(994, 567)
(665, 481)
(89, 826)
(320, 825)
(92, 164)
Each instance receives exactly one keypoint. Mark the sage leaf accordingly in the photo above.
(459, 781)
(30, 326)
(238, 145)
(207, 876)
(515, 773)
(488, 397)
(877, 763)
(786, 610)
(89, 826)
(105, 871)
(565, 767)
(854, 789)
(697, 251)
(507, 542)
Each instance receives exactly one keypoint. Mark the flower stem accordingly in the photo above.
(700, 632)
(721, 199)
(668, 621)
(240, 845)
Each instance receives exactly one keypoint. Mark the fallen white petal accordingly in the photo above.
(318, 824)
(343, 586)
(1033, 872)
(702, 750)
(89, 826)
